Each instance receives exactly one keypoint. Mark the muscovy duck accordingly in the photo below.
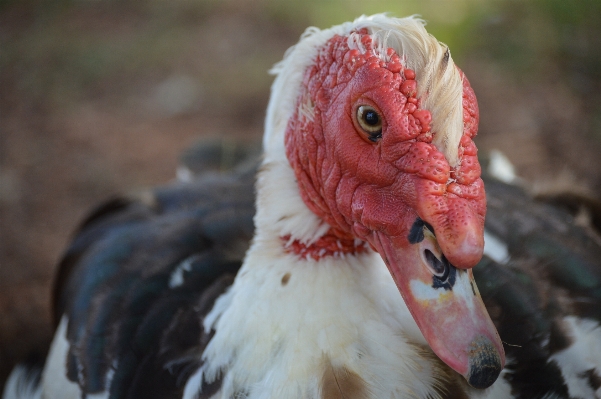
(369, 186)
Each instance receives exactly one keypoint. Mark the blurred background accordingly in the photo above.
(99, 97)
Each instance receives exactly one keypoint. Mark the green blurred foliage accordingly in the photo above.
(533, 36)
(543, 41)
(536, 39)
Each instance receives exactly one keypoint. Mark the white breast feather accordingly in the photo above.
(272, 339)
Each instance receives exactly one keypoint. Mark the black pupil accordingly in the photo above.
(371, 118)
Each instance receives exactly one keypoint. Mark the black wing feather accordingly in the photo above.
(125, 319)
(554, 271)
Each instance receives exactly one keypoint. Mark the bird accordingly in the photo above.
(364, 254)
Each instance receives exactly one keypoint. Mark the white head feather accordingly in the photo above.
(440, 86)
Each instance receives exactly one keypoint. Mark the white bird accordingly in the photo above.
(358, 283)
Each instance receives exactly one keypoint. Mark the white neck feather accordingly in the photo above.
(286, 320)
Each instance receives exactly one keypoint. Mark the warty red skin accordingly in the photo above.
(360, 187)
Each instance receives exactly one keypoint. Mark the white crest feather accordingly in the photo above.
(440, 86)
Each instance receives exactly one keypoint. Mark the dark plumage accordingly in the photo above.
(554, 271)
(130, 311)
(114, 283)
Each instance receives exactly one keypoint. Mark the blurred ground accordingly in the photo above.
(101, 97)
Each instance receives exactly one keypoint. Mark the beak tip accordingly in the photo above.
(485, 363)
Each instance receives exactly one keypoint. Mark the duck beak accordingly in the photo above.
(445, 303)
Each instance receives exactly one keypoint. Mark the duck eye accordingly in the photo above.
(370, 121)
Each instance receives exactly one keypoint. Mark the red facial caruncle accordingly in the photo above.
(341, 168)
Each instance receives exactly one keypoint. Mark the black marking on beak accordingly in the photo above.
(416, 234)
(484, 363)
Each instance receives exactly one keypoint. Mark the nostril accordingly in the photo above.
(439, 267)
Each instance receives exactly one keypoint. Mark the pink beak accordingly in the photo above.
(445, 303)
